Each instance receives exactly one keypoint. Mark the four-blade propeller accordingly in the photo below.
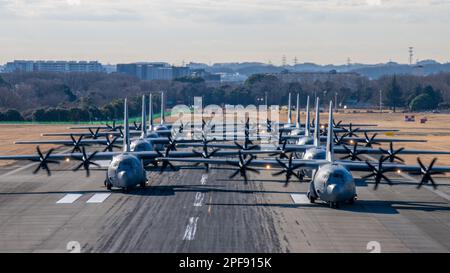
(427, 174)
(86, 161)
(392, 153)
(44, 161)
(378, 172)
(243, 167)
(289, 170)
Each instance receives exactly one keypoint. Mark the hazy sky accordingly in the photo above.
(321, 31)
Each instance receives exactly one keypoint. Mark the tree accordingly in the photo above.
(394, 95)
(428, 99)
(422, 102)
(12, 115)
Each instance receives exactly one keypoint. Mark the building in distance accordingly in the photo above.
(154, 71)
(54, 66)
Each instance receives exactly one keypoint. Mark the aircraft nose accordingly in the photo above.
(122, 177)
(334, 191)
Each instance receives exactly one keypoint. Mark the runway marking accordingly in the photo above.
(191, 228)
(199, 196)
(204, 179)
(98, 198)
(300, 198)
(210, 207)
(69, 198)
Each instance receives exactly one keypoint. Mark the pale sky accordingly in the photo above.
(321, 31)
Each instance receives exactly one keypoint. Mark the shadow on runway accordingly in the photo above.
(259, 180)
(363, 206)
(160, 190)
(167, 190)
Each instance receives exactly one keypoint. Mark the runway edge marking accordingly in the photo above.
(69, 198)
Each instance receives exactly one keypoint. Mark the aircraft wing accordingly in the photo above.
(141, 155)
(63, 142)
(364, 167)
(306, 164)
(342, 150)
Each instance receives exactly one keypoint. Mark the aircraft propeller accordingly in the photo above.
(86, 161)
(205, 154)
(94, 135)
(76, 143)
(337, 125)
(353, 154)
(427, 174)
(370, 141)
(289, 170)
(243, 167)
(172, 145)
(110, 145)
(392, 153)
(339, 140)
(137, 127)
(378, 172)
(350, 131)
(283, 151)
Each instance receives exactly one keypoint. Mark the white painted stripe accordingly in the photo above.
(98, 198)
(300, 198)
(204, 179)
(191, 228)
(199, 196)
(69, 198)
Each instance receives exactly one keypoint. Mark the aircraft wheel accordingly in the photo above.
(312, 200)
(334, 205)
(126, 189)
(108, 186)
(351, 201)
(143, 184)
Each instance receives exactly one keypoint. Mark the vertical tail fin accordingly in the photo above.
(162, 108)
(317, 124)
(144, 119)
(126, 135)
(289, 110)
(150, 113)
(330, 148)
(308, 119)
(299, 124)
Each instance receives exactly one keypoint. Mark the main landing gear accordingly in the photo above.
(108, 184)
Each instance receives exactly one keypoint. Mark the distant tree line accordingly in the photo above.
(40, 96)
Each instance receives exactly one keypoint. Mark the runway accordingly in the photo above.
(190, 212)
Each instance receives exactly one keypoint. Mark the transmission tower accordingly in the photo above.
(411, 55)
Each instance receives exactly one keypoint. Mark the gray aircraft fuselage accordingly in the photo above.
(334, 184)
(125, 171)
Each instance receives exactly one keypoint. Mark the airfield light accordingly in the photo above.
(268, 167)
(67, 159)
(352, 142)
(399, 171)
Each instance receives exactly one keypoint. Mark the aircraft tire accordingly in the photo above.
(312, 200)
